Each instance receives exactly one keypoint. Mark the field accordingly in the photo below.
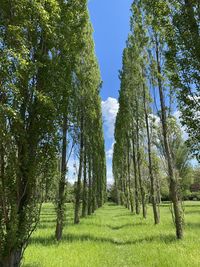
(113, 237)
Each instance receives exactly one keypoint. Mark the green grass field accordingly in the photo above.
(113, 237)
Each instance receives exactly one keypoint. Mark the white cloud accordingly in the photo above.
(110, 178)
(109, 109)
(109, 153)
(177, 115)
(72, 167)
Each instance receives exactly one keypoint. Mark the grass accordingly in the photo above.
(113, 237)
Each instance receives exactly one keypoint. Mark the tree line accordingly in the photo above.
(50, 110)
(160, 75)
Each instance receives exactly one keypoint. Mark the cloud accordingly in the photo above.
(72, 170)
(109, 153)
(110, 178)
(109, 109)
(177, 115)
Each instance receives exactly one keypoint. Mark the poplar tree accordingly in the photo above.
(73, 19)
(183, 61)
(27, 115)
(91, 184)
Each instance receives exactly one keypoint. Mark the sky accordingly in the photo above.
(110, 20)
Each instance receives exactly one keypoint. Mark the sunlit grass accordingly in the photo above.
(113, 237)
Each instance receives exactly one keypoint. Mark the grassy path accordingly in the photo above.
(113, 237)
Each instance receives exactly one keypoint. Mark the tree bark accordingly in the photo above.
(129, 175)
(61, 193)
(90, 187)
(137, 204)
(138, 159)
(13, 259)
(78, 186)
(174, 188)
(151, 175)
(85, 193)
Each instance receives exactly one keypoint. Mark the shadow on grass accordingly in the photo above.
(46, 226)
(124, 215)
(195, 226)
(50, 220)
(197, 205)
(124, 226)
(70, 238)
(117, 227)
(192, 212)
(111, 204)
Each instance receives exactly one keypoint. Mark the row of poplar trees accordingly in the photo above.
(161, 62)
(49, 108)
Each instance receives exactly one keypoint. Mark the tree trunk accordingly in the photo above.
(94, 191)
(61, 193)
(144, 210)
(78, 186)
(177, 207)
(85, 193)
(137, 204)
(127, 193)
(129, 176)
(13, 259)
(152, 178)
(90, 188)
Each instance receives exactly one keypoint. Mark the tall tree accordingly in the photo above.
(27, 116)
(183, 61)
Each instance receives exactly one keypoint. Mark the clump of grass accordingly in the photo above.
(113, 237)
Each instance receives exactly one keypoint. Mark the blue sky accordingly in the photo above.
(110, 20)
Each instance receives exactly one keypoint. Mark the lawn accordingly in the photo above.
(113, 237)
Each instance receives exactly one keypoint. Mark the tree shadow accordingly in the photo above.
(129, 214)
(46, 225)
(192, 206)
(50, 220)
(112, 204)
(124, 226)
(192, 212)
(193, 225)
(70, 238)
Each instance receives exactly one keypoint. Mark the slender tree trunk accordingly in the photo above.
(144, 210)
(61, 193)
(94, 191)
(158, 191)
(129, 176)
(122, 189)
(78, 186)
(143, 194)
(85, 193)
(151, 175)
(127, 204)
(174, 187)
(99, 188)
(137, 204)
(117, 193)
(90, 187)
